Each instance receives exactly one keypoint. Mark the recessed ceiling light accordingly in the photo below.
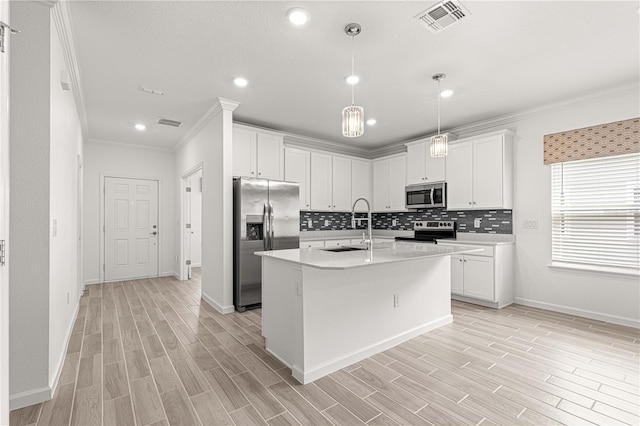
(446, 93)
(140, 127)
(298, 16)
(352, 79)
(371, 121)
(240, 82)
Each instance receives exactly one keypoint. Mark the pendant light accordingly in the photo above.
(439, 143)
(352, 116)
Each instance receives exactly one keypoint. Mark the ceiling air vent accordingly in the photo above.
(442, 15)
(167, 122)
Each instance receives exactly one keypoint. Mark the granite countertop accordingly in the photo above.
(382, 253)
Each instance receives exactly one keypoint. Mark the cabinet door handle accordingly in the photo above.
(251, 172)
(259, 173)
(474, 202)
(307, 205)
(469, 202)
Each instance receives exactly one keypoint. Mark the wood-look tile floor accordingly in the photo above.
(149, 352)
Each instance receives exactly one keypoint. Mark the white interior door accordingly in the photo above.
(130, 228)
(196, 219)
(4, 219)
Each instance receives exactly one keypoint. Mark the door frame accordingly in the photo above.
(184, 270)
(101, 225)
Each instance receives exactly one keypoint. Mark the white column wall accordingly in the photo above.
(124, 161)
(211, 148)
(66, 147)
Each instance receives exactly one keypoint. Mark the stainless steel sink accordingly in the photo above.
(344, 248)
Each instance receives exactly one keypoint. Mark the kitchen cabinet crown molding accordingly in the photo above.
(503, 132)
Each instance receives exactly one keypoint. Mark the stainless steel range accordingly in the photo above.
(428, 231)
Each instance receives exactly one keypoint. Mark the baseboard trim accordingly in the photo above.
(168, 274)
(92, 282)
(53, 382)
(215, 305)
(614, 319)
(336, 364)
(30, 397)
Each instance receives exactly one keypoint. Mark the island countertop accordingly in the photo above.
(382, 253)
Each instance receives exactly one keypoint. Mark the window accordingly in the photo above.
(595, 210)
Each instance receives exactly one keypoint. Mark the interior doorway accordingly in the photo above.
(192, 219)
(131, 232)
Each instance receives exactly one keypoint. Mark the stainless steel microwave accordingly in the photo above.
(423, 196)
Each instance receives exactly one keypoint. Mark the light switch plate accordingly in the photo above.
(530, 224)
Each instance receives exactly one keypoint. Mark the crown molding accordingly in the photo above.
(506, 120)
(102, 142)
(64, 28)
(219, 105)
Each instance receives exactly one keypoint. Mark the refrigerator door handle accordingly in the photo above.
(271, 236)
(265, 226)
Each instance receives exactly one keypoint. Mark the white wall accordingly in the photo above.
(211, 148)
(64, 253)
(130, 162)
(46, 143)
(608, 297)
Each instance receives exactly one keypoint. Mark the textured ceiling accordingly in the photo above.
(506, 57)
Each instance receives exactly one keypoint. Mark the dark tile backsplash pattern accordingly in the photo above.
(492, 221)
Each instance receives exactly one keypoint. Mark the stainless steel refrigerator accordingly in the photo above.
(266, 216)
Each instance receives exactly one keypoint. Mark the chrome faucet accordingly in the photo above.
(369, 242)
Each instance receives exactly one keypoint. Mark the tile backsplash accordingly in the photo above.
(491, 221)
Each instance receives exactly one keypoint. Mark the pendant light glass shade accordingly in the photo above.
(353, 121)
(439, 143)
(352, 116)
(439, 146)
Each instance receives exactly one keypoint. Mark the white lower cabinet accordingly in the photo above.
(484, 277)
(312, 244)
(337, 243)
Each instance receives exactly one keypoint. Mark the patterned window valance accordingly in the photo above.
(619, 137)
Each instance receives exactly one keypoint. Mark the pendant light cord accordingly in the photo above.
(439, 106)
(353, 67)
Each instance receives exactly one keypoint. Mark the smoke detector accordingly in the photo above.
(442, 15)
(167, 122)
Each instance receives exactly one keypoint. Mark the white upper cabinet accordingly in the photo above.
(480, 172)
(361, 183)
(341, 184)
(321, 182)
(298, 169)
(257, 154)
(421, 166)
(389, 176)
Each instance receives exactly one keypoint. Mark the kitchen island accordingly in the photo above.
(324, 310)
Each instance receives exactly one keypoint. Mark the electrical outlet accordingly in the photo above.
(55, 227)
(67, 298)
(530, 224)
(326, 222)
(394, 222)
(476, 222)
(309, 223)
(298, 288)
(396, 300)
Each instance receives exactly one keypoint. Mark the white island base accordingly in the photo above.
(317, 321)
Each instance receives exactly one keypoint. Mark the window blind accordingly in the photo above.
(596, 211)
